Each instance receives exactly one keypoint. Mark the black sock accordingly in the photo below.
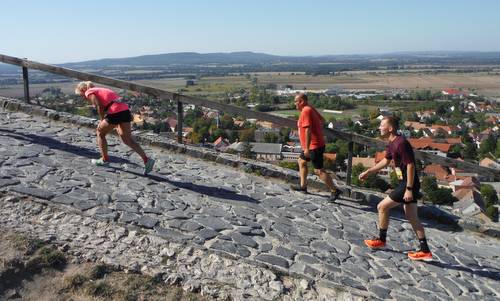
(382, 234)
(423, 245)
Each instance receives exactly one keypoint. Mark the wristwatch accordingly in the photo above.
(409, 188)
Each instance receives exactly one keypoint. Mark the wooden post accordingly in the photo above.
(350, 147)
(180, 116)
(26, 85)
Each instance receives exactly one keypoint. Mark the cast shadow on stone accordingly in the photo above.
(55, 144)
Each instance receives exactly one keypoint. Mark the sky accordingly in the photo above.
(60, 31)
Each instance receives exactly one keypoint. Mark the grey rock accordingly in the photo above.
(243, 240)
(127, 207)
(265, 247)
(36, 192)
(85, 205)
(273, 260)
(380, 292)
(65, 199)
(213, 223)
(230, 247)
(127, 217)
(105, 213)
(147, 221)
(176, 214)
(8, 182)
(307, 259)
(126, 198)
(285, 252)
(151, 210)
(165, 205)
(190, 226)
(171, 235)
(207, 234)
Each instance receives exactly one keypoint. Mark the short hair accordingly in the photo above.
(302, 96)
(393, 121)
(83, 86)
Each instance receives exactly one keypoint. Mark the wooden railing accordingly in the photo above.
(180, 99)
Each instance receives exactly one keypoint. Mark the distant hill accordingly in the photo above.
(185, 58)
(253, 58)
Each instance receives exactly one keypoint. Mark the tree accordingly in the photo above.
(488, 146)
(356, 171)
(271, 138)
(492, 212)
(394, 181)
(470, 151)
(429, 184)
(284, 135)
(489, 195)
(247, 150)
(247, 135)
(455, 151)
(373, 181)
(226, 122)
(434, 194)
(442, 196)
(290, 165)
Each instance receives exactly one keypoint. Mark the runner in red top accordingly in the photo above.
(312, 142)
(113, 114)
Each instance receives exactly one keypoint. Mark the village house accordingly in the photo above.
(470, 203)
(428, 145)
(262, 151)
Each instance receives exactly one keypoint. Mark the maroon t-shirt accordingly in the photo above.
(401, 151)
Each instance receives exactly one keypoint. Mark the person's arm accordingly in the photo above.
(308, 141)
(375, 168)
(97, 105)
(410, 176)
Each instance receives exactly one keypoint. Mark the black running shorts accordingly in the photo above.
(316, 157)
(117, 118)
(398, 193)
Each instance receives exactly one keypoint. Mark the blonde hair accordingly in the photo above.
(83, 86)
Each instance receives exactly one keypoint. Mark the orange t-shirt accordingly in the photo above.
(311, 118)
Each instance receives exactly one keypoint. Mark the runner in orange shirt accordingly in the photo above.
(312, 142)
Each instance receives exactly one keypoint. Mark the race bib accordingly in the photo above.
(399, 173)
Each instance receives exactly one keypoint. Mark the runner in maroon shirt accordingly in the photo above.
(406, 193)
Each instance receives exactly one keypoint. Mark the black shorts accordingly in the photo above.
(316, 157)
(398, 193)
(116, 118)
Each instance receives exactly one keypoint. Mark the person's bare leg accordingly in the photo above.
(325, 177)
(103, 129)
(125, 133)
(411, 212)
(384, 208)
(303, 172)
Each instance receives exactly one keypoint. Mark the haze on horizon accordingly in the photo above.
(69, 31)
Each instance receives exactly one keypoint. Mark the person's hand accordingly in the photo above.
(408, 197)
(307, 153)
(364, 175)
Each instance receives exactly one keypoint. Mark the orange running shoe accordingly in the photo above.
(420, 255)
(375, 243)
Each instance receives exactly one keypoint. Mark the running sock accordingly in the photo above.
(423, 245)
(145, 159)
(382, 234)
(105, 158)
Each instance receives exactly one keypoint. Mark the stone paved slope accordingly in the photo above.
(252, 218)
